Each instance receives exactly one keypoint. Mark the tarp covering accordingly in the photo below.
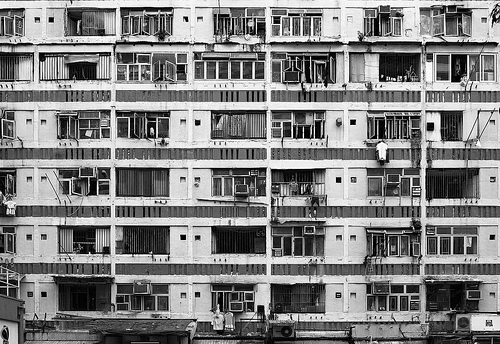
(180, 327)
(81, 58)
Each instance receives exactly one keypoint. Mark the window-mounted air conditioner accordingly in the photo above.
(241, 190)
(309, 230)
(142, 287)
(392, 179)
(415, 249)
(462, 323)
(291, 76)
(473, 294)
(277, 252)
(384, 9)
(87, 172)
(236, 306)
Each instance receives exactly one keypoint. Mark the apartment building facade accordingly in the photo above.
(161, 162)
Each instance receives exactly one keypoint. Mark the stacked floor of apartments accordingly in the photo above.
(250, 171)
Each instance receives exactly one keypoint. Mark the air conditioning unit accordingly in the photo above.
(462, 323)
(473, 295)
(236, 306)
(384, 9)
(309, 230)
(277, 252)
(284, 331)
(87, 172)
(381, 288)
(241, 190)
(415, 249)
(291, 76)
(393, 179)
(142, 287)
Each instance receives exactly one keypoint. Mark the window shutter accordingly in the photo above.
(438, 24)
(466, 24)
(126, 25)
(170, 71)
(18, 26)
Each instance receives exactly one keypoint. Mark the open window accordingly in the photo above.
(12, 22)
(292, 183)
(16, 67)
(238, 125)
(298, 298)
(227, 182)
(460, 67)
(317, 68)
(74, 66)
(455, 295)
(399, 67)
(151, 67)
(452, 183)
(383, 21)
(8, 125)
(85, 181)
(83, 125)
(298, 241)
(146, 22)
(298, 125)
(393, 182)
(8, 182)
(7, 239)
(140, 125)
(234, 297)
(90, 22)
(238, 240)
(393, 242)
(239, 21)
(229, 66)
(296, 22)
(393, 125)
(84, 240)
(450, 20)
(128, 298)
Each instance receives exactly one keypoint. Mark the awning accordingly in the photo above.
(227, 341)
(450, 279)
(180, 327)
(83, 278)
(88, 58)
(221, 10)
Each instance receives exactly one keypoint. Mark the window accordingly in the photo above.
(8, 125)
(460, 67)
(225, 181)
(12, 22)
(357, 67)
(383, 21)
(318, 68)
(90, 22)
(147, 22)
(238, 125)
(142, 182)
(86, 296)
(85, 181)
(84, 240)
(451, 20)
(229, 66)
(296, 22)
(151, 67)
(298, 298)
(144, 240)
(299, 182)
(83, 125)
(393, 182)
(456, 240)
(393, 125)
(8, 183)
(155, 297)
(74, 66)
(451, 126)
(388, 297)
(16, 67)
(399, 67)
(452, 183)
(234, 297)
(442, 296)
(230, 240)
(298, 125)
(140, 125)
(395, 242)
(239, 21)
(298, 241)
(7, 239)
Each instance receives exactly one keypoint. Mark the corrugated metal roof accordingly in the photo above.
(181, 327)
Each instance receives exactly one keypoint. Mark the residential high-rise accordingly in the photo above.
(302, 171)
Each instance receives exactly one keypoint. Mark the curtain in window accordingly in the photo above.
(142, 182)
(357, 67)
(146, 240)
(101, 239)
(65, 240)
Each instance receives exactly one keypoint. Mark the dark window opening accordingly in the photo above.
(452, 183)
(83, 71)
(137, 182)
(145, 240)
(84, 297)
(238, 240)
(298, 298)
(451, 126)
(399, 67)
(453, 296)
